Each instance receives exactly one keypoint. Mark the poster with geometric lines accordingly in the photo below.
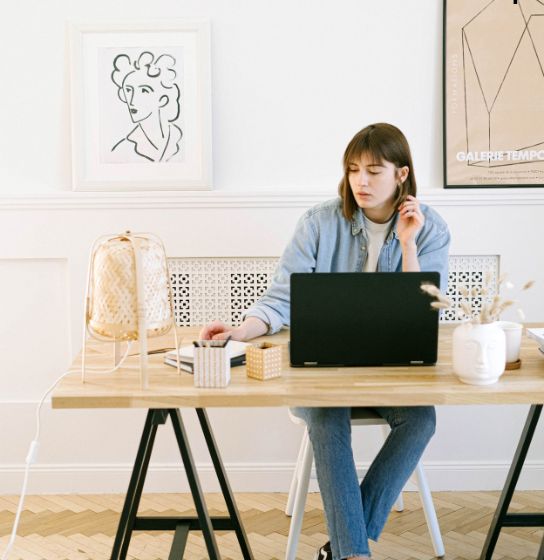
(493, 93)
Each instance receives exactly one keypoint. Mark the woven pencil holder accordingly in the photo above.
(211, 367)
(263, 361)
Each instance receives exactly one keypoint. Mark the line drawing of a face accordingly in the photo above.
(143, 95)
(147, 86)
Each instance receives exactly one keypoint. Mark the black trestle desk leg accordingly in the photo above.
(180, 540)
(137, 479)
(501, 513)
(194, 484)
(541, 551)
(224, 483)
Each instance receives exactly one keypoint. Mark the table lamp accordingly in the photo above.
(128, 295)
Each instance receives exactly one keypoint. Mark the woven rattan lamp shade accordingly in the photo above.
(128, 293)
(113, 301)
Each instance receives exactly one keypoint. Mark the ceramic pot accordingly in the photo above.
(479, 353)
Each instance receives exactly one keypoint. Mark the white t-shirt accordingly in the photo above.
(376, 233)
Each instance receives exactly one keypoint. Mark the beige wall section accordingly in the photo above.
(291, 83)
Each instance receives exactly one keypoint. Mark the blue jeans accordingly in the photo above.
(356, 513)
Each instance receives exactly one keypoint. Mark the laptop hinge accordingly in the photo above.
(310, 363)
(416, 362)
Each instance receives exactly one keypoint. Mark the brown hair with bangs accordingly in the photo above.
(382, 142)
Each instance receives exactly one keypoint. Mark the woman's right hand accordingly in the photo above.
(250, 328)
(218, 331)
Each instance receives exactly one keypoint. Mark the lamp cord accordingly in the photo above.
(34, 446)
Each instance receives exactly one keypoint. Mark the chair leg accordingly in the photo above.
(300, 500)
(296, 475)
(399, 504)
(429, 511)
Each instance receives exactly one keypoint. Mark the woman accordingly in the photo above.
(377, 224)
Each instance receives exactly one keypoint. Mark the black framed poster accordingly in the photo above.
(493, 93)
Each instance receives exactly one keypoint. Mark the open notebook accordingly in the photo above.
(236, 349)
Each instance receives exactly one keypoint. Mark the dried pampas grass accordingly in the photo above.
(490, 310)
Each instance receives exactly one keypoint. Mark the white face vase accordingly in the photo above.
(479, 353)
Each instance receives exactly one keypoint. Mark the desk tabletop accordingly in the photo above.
(353, 386)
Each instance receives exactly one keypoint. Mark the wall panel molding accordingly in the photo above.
(251, 199)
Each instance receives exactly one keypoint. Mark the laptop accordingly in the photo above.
(363, 319)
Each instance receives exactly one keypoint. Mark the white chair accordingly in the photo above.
(301, 478)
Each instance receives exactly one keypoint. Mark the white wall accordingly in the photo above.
(291, 83)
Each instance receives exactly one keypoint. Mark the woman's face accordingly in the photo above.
(374, 184)
(143, 95)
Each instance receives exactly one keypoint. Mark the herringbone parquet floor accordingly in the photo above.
(82, 527)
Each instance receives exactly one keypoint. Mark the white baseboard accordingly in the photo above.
(245, 477)
(479, 476)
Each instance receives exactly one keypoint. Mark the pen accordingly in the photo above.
(226, 341)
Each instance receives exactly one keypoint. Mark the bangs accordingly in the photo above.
(381, 142)
(364, 145)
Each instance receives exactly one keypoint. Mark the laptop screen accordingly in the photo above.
(362, 319)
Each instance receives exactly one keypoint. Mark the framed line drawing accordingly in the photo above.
(493, 88)
(141, 106)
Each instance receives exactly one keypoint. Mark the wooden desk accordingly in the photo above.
(402, 386)
(395, 386)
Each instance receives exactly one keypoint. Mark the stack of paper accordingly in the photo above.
(538, 335)
(237, 352)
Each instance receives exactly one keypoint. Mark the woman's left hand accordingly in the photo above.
(411, 220)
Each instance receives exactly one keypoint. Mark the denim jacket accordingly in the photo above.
(324, 241)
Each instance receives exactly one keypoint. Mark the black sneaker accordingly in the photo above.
(324, 553)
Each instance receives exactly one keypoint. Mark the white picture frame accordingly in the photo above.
(141, 106)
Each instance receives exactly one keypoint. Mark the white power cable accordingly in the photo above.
(32, 454)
